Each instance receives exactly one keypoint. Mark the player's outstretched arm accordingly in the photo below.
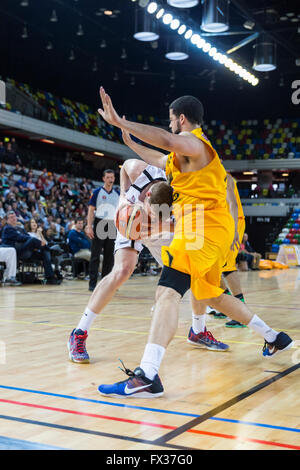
(184, 144)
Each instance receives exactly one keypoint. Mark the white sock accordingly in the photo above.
(86, 320)
(151, 360)
(262, 329)
(199, 323)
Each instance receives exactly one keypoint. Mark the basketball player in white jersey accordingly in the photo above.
(137, 180)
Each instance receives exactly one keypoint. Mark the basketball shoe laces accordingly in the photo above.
(210, 336)
(128, 372)
(80, 343)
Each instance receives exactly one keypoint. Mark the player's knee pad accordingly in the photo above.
(176, 280)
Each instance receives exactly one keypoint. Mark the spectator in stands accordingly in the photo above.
(8, 255)
(18, 170)
(11, 156)
(256, 257)
(36, 231)
(3, 170)
(27, 245)
(63, 179)
(2, 211)
(44, 175)
(39, 186)
(2, 151)
(31, 185)
(22, 184)
(80, 245)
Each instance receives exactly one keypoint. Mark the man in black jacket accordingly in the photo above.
(26, 245)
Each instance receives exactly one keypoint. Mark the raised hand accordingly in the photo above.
(108, 112)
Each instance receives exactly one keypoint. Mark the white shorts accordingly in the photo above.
(153, 244)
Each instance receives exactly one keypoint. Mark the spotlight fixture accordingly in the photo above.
(95, 66)
(145, 28)
(176, 50)
(146, 65)
(167, 18)
(160, 13)
(124, 54)
(152, 7)
(183, 3)
(72, 55)
(24, 3)
(175, 23)
(53, 17)
(249, 24)
(215, 16)
(103, 44)
(181, 29)
(265, 56)
(24, 33)
(215, 19)
(80, 31)
(49, 46)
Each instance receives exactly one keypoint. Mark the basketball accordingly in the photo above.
(130, 219)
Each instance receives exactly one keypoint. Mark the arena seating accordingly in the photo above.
(244, 140)
(290, 233)
(253, 139)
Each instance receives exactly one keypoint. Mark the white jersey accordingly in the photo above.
(154, 244)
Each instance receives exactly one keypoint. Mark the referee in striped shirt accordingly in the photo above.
(101, 228)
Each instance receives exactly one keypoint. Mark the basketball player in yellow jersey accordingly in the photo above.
(192, 260)
(230, 281)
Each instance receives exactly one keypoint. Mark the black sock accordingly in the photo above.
(240, 297)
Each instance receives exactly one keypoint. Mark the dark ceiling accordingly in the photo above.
(147, 81)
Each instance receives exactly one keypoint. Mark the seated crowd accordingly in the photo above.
(42, 216)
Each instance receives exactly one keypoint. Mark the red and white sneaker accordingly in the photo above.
(77, 348)
(206, 340)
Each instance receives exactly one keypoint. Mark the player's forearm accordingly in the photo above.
(150, 156)
(148, 134)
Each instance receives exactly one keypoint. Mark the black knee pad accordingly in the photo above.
(176, 280)
(226, 273)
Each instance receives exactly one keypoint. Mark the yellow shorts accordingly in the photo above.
(230, 264)
(204, 265)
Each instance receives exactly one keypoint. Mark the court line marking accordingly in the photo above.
(156, 425)
(9, 443)
(95, 433)
(224, 406)
(143, 408)
(131, 332)
(146, 317)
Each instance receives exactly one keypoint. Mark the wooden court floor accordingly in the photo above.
(213, 400)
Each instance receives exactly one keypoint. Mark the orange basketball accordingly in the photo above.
(130, 219)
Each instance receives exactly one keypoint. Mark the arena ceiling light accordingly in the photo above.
(176, 50)
(145, 28)
(183, 3)
(264, 56)
(215, 14)
(152, 7)
(196, 40)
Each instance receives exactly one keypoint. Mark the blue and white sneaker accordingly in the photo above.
(206, 340)
(137, 386)
(282, 343)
